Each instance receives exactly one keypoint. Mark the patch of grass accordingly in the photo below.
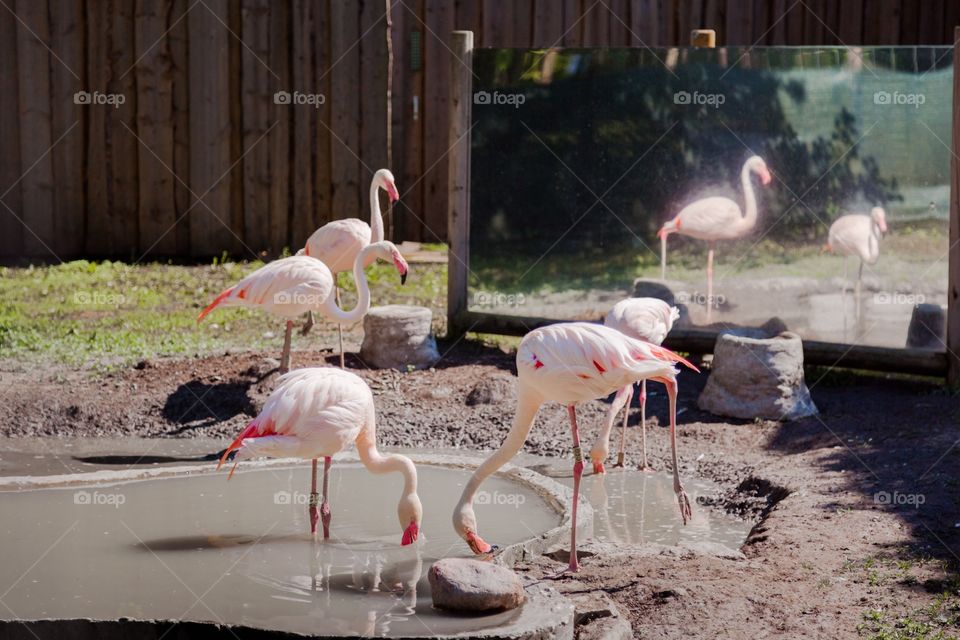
(938, 621)
(106, 314)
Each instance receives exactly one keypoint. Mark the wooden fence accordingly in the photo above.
(151, 128)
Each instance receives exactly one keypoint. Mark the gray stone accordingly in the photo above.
(398, 336)
(606, 629)
(769, 329)
(758, 378)
(493, 389)
(647, 288)
(464, 584)
(927, 327)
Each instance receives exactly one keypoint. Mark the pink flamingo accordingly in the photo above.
(292, 286)
(318, 412)
(650, 320)
(338, 243)
(716, 218)
(858, 235)
(571, 363)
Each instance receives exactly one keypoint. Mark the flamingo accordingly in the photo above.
(291, 286)
(716, 218)
(650, 320)
(316, 413)
(858, 235)
(572, 362)
(337, 243)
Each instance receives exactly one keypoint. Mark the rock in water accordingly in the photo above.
(464, 584)
(758, 378)
(927, 327)
(492, 389)
(398, 336)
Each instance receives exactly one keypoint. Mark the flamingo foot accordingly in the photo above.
(308, 324)
(646, 469)
(325, 517)
(683, 500)
(619, 464)
(478, 545)
(598, 468)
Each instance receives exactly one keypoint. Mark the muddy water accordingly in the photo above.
(633, 507)
(200, 548)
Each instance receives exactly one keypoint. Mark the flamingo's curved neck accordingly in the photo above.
(337, 314)
(377, 463)
(376, 218)
(528, 403)
(749, 219)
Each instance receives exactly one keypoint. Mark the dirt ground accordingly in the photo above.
(858, 519)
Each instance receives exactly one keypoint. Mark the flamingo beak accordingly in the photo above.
(410, 534)
(765, 177)
(402, 268)
(477, 544)
(392, 192)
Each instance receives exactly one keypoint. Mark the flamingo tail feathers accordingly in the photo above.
(666, 354)
(213, 305)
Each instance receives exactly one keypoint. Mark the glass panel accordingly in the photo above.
(581, 156)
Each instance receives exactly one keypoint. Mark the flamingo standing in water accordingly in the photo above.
(650, 320)
(716, 218)
(858, 235)
(292, 286)
(338, 243)
(318, 412)
(573, 362)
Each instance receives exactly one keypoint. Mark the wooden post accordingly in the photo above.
(703, 38)
(953, 277)
(458, 202)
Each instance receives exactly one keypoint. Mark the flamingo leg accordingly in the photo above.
(643, 425)
(339, 327)
(577, 473)
(710, 250)
(857, 289)
(285, 356)
(598, 454)
(623, 429)
(325, 514)
(663, 257)
(682, 498)
(308, 324)
(312, 508)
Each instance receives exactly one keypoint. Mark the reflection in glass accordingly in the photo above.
(580, 156)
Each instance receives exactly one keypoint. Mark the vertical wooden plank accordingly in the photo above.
(124, 148)
(851, 23)
(795, 22)
(953, 279)
(951, 20)
(278, 140)
(547, 23)
(522, 24)
(408, 226)
(813, 19)
(67, 41)
(467, 15)
(373, 99)
(11, 229)
(740, 23)
(458, 182)
(35, 128)
(210, 129)
(596, 25)
(778, 36)
(304, 220)
(322, 140)
(619, 23)
(713, 18)
(572, 24)
(234, 214)
(399, 114)
(257, 102)
(98, 237)
(178, 43)
(436, 112)
(497, 22)
(156, 203)
(930, 22)
(909, 23)
(345, 110)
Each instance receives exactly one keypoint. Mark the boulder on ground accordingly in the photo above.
(398, 336)
(758, 378)
(927, 327)
(493, 389)
(464, 584)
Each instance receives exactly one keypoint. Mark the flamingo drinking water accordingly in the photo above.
(318, 412)
(648, 319)
(858, 235)
(338, 243)
(292, 286)
(571, 363)
(716, 218)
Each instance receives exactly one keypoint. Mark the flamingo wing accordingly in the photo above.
(709, 218)
(850, 236)
(337, 243)
(648, 319)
